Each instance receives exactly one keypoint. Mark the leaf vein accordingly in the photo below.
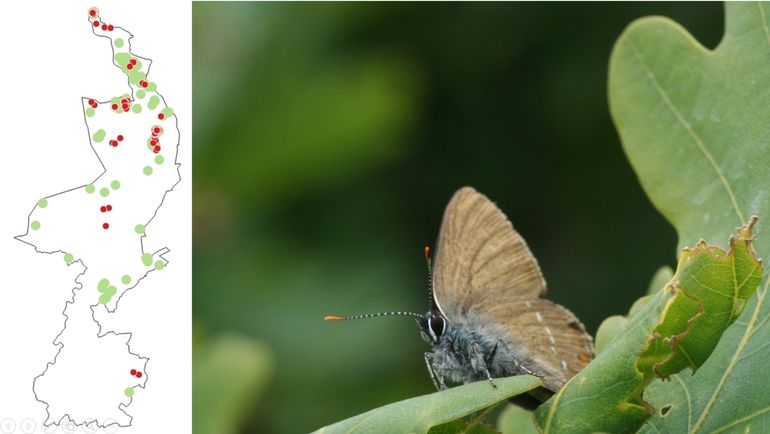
(689, 399)
(764, 21)
(695, 138)
(733, 360)
(741, 420)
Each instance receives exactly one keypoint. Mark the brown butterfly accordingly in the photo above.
(487, 317)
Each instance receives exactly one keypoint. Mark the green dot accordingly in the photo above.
(167, 112)
(90, 188)
(103, 284)
(139, 229)
(147, 259)
(159, 159)
(115, 184)
(107, 294)
(136, 108)
(42, 203)
(136, 75)
(153, 102)
(147, 170)
(104, 192)
(119, 42)
(140, 94)
(35, 225)
(90, 112)
(99, 136)
(68, 258)
(152, 86)
(126, 279)
(129, 391)
(122, 58)
(159, 265)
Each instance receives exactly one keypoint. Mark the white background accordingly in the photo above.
(49, 59)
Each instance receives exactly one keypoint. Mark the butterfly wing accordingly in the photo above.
(542, 336)
(480, 258)
(484, 271)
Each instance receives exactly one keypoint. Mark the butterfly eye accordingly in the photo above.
(437, 326)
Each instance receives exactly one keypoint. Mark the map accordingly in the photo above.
(98, 229)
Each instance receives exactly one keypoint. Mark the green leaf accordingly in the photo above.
(678, 327)
(462, 427)
(515, 420)
(694, 124)
(709, 296)
(659, 281)
(614, 325)
(418, 415)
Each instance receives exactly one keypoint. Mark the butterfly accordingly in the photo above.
(488, 318)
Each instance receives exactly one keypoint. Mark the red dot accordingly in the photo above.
(91, 102)
(96, 23)
(156, 130)
(133, 372)
(145, 84)
(138, 374)
(120, 137)
(161, 116)
(109, 207)
(92, 12)
(110, 27)
(130, 66)
(153, 142)
(114, 106)
(104, 26)
(156, 149)
(103, 209)
(133, 61)
(106, 226)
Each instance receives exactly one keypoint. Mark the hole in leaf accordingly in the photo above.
(664, 410)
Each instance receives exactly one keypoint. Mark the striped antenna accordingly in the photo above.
(370, 315)
(431, 299)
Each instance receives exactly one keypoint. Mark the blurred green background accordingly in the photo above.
(328, 138)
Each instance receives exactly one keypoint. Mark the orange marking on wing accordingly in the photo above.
(585, 358)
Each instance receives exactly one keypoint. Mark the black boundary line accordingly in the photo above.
(79, 285)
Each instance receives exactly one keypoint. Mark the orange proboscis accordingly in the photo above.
(427, 253)
(334, 318)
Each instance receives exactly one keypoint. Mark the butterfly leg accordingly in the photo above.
(438, 379)
(477, 353)
(521, 368)
(491, 355)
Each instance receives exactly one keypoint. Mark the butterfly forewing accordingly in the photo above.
(480, 258)
(483, 267)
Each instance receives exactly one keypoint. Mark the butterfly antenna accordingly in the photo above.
(370, 315)
(428, 261)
